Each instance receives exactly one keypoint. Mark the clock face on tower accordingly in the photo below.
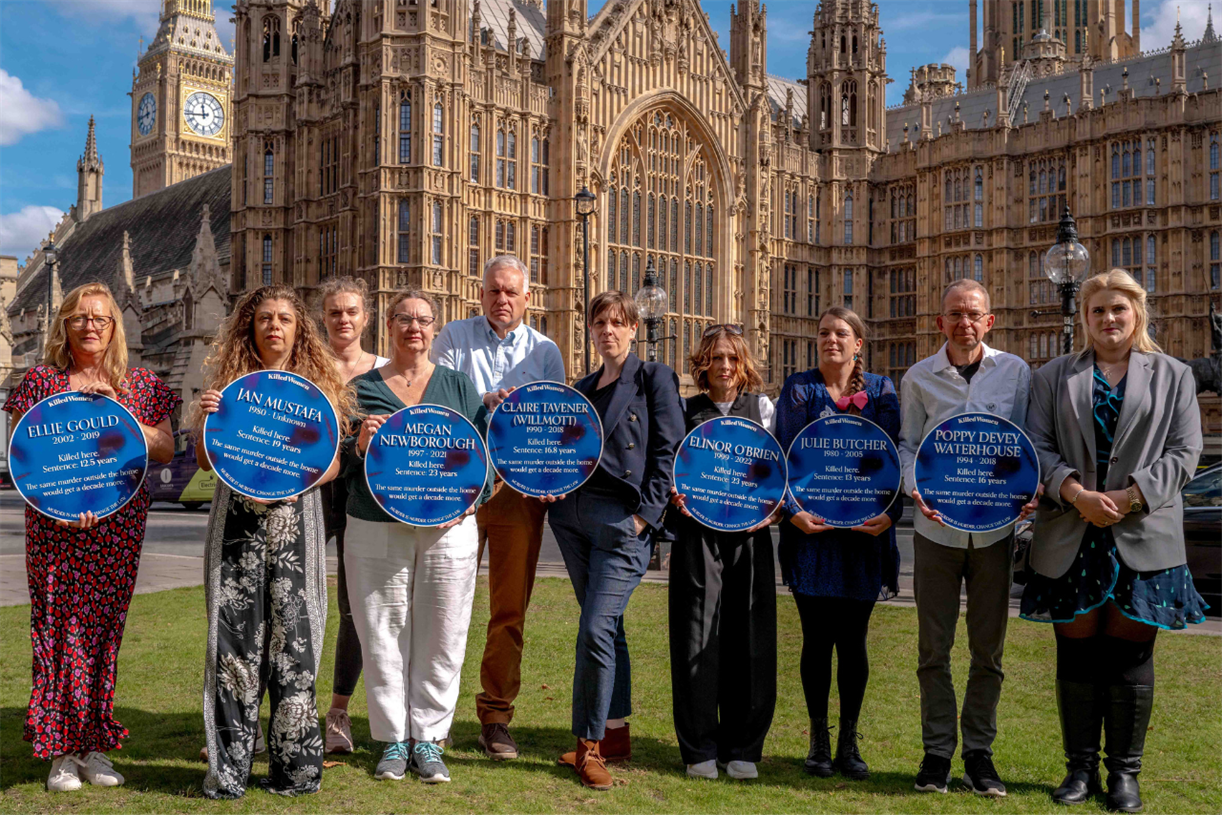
(204, 114)
(146, 114)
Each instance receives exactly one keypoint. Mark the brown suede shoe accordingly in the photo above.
(591, 767)
(615, 748)
(496, 742)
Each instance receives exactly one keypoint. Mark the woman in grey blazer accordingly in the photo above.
(1118, 434)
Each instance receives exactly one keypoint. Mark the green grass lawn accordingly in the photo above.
(161, 676)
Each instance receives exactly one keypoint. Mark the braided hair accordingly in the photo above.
(857, 381)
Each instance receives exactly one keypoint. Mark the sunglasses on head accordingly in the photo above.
(736, 330)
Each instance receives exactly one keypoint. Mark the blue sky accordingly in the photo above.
(64, 60)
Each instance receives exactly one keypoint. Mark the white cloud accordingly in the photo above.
(21, 232)
(145, 13)
(958, 58)
(23, 113)
(1192, 15)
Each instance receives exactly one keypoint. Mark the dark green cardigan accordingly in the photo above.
(447, 388)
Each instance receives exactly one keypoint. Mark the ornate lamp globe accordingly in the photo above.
(586, 202)
(1067, 261)
(651, 298)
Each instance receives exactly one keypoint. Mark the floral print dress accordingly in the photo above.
(81, 583)
(266, 588)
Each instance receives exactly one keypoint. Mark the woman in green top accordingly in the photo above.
(410, 588)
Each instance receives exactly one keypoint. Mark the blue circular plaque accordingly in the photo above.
(545, 439)
(844, 469)
(731, 473)
(978, 470)
(75, 452)
(426, 465)
(273, 437)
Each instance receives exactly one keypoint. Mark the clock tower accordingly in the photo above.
(180, 99)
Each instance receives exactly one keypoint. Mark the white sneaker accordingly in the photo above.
(705, 769)
(741, 770)
(65, 774)
(97, 770)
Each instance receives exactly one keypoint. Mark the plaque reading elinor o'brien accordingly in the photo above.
(545, 439)
(426, 465)
(74, 452)
(731, 473)
(978, 470)
(273, 436)
(844, 469)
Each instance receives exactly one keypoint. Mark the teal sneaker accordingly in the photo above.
(393, 765)
(427, 763)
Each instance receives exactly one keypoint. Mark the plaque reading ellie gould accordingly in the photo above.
(844, 469)
(978, 470)
(426, 465)
(545, 439)
(273, 437)
(74, 452)
(731, 473)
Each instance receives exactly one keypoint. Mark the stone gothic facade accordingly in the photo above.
(408, 141)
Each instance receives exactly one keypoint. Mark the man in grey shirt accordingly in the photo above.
(964, 376)
(499, 352)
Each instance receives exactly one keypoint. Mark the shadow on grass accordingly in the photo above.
(162, 755)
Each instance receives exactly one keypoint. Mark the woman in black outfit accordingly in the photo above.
(722, 592)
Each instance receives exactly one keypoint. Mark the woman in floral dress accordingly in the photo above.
(264, 565)
(82, 575)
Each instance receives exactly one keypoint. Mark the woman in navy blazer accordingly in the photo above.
(605, 529)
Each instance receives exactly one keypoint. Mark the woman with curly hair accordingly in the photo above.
(82, 574)
(265, 569)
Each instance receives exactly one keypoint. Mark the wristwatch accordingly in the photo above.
(1134, 502)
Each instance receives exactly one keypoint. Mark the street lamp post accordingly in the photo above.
(587, 202)
(651, 305)
(51, 256)
(1066, 265)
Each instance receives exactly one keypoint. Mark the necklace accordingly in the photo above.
(1110, 370)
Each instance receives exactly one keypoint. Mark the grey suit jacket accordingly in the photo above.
(1157, 444)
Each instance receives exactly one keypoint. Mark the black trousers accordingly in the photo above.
(722, 642)
(347, 669)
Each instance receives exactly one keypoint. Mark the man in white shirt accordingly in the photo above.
(964, 376)
(499, 352)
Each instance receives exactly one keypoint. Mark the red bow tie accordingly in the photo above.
(860, 398)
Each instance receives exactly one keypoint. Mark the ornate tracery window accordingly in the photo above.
(662, 206)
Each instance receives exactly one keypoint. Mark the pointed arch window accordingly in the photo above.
(978, 269)
(848, 219)
(511, 159)
(267, 260)
(269, 174)
(473, 264)
(271, 37)
(438, 134)
(475, 150)
(405, 127)
(403, 236)
(438, 228)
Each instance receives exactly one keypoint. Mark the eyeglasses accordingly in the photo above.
(405, 320)
(973, 316)
(736, 330)
(79, 322)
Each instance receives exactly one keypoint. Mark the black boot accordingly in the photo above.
(819, 759)
(1125, 720)
(1081, 719)
(848, 761)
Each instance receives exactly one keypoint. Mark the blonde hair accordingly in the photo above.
(747, 378)
(342, 285)
(234, 353)
(1121, 281)
(114, 359)
(857, 380)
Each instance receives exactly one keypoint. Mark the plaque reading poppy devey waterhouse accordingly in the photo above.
(731, 473)
(74, 453)
(977, 470)
(545, 439)
(274, 435)
(844, 469)
(426, 465)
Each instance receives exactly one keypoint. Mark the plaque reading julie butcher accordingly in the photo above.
(426, 465)
(731, 473)
(545, 439)
(978, 470)
(844, 469)
(273, 437)
(73, 453)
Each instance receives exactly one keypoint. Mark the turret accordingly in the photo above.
(89, 172)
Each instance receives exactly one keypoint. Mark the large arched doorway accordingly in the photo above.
(662, 205)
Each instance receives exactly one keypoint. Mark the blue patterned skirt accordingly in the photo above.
(1165, 598)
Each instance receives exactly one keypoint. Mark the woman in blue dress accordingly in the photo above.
(836, 575)
(1110, 564)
